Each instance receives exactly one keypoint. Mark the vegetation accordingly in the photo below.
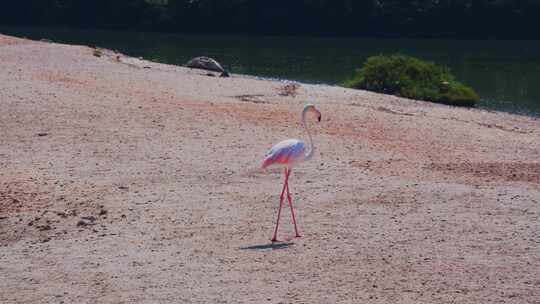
(375, 18)
(412, 78)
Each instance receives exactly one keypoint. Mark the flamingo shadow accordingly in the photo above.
(265, 247)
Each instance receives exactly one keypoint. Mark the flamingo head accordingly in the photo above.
(311, 108)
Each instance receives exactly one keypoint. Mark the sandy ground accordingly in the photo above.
(127, 181)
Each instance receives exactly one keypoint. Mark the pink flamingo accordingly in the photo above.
(289, 153)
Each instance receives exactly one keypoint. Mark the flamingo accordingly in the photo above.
(289, 153)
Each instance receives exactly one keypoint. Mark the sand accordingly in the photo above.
(128, 181)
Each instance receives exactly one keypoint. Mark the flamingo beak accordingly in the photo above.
(320, 117)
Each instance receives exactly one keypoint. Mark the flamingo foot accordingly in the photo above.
(274, 240)
(298, 235)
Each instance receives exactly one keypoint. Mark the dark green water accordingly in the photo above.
(505, 73)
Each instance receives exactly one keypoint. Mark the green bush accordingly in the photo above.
(412, 78)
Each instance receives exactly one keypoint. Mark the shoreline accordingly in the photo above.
(129, 181)
(519, 106)
(481, 108)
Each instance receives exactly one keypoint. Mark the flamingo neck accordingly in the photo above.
(311, 151)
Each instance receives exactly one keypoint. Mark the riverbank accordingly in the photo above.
(128, 181)
(503, 73)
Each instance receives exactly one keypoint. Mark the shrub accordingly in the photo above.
(413, 78)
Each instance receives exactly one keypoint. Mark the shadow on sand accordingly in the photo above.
(271, 246)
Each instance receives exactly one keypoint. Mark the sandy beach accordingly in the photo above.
(129, 181)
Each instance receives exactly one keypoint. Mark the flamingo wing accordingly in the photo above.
(287, 152)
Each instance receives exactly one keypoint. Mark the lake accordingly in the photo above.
(506, 74)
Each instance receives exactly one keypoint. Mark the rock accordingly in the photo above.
(86, 221)
(207, 63)
(44, 227)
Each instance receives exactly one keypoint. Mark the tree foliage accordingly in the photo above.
(381, 18)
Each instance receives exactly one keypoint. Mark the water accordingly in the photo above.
(506, 74)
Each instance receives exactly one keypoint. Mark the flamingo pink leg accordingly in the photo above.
(274, 239)
(289, 197)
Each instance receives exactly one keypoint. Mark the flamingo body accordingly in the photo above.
(286, 153)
